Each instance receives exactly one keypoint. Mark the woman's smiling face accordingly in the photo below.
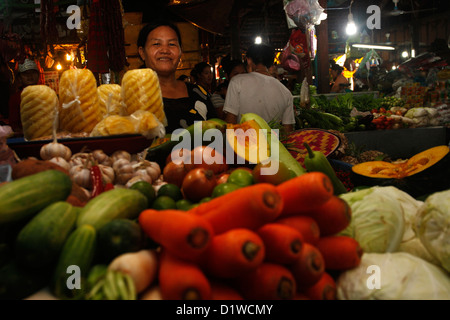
(162, 51)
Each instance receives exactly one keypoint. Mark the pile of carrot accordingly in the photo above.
(260, 242)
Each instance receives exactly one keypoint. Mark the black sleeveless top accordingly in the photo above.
(183, 112)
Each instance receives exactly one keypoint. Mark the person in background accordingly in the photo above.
(259, 92)
(28, 75)
(218, 98)
(203, 76)
(230, 68)
(340, 83)
(160, 47)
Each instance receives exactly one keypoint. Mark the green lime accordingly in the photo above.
(146, 189)
(183, 204)
(206, 199)
(170, 190)
(241, 177)
(163, 203)
(224, 188)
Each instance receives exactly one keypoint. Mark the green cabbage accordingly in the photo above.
(378, 221)
(433, 226)
(393, 276)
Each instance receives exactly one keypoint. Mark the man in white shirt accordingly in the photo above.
(259, 92)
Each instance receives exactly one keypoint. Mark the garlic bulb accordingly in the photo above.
(61, 162)
(81, 158)
(123, 171)
(55, 149)
(101, 157)
(81, 176)
(150, 171)
(107, 173)
(120, 154)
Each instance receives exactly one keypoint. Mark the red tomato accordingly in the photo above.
(208, 158)
(222, 178)
(174, 173)
(198, 183)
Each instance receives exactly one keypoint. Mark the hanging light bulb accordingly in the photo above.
(258, 40)
(351, 26)
(58, 66)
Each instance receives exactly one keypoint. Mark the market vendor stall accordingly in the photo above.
(107, 205)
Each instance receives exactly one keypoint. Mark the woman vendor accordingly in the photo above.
(160, 48)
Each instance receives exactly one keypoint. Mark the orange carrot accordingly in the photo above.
(223, 291)
(305, 192)
(333, 216)
(181, 280)
(309, 267)
(248, 207)
(184, 235)
(283, 243)
(307, 227)
(269, 281)
(324, 289)
(340, 252)
(233, 253)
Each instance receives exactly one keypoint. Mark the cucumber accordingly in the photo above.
(78, 251)
(117, 237)
(121, 203)
(40, 242)
(19, 283)
(284, 155)
(21, 199)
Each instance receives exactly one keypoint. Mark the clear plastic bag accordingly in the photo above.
(304, 13)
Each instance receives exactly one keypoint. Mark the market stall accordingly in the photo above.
(99, 202)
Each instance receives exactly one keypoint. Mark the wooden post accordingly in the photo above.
(323, 81)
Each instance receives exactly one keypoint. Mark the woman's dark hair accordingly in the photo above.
(198, 69)
(228, 64)
(143, 34)
(261, 53)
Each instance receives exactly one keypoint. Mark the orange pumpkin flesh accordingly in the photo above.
(416, 164)
(432, 164)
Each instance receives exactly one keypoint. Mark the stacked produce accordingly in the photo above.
(184, 229)
(83, 108)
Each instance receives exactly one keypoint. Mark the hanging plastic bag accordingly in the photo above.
(289, 61)
(304, 13)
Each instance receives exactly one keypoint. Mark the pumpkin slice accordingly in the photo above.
(423, 173)
(248, 141)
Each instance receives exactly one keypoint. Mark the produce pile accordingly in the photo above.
(349, 112)
(214, 231)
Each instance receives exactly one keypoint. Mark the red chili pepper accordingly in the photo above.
(97, 181)
(108, 186)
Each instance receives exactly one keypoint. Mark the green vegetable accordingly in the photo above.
(113, 204)
(393, 276)
(78, 252)
(119, 236)
(21, 199)
(283, 154)
(433, 226)
(39, 243)
(316, 161)
(377, 223)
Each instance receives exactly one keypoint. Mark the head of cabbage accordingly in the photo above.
(382, 218)
(393, 276)
(433, 226)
